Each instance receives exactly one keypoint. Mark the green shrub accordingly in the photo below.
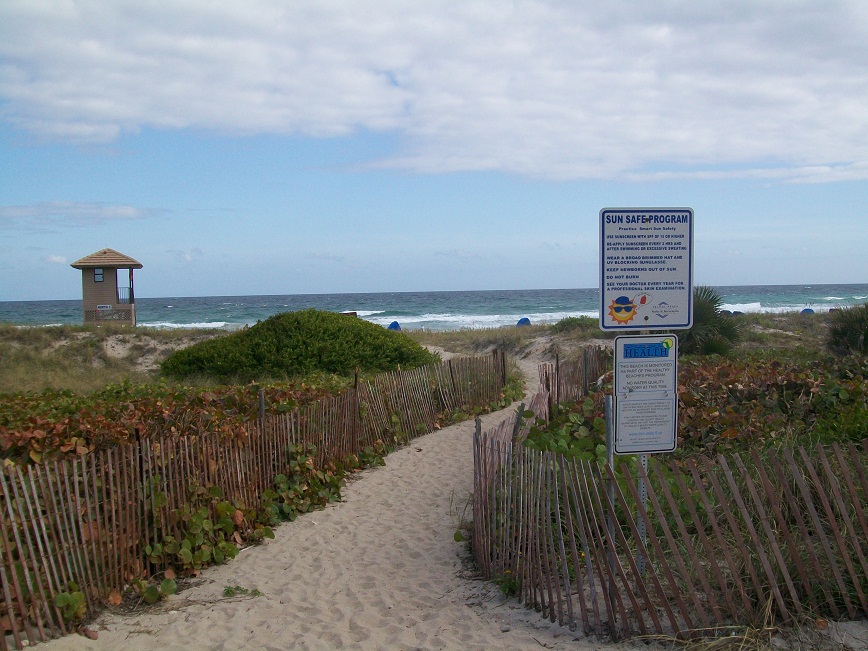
(299, 343)
(579, 324)
(734, 405)
(71, 603)
(713, 333)
(848, 330)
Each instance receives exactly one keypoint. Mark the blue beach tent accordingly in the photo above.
(394, 325)
(523, 321)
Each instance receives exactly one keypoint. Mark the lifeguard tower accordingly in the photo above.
(103, 300)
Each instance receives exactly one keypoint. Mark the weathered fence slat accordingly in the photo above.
(784, 527)
(796, 510)
(772, 540)
(641, 550)
(613, 540)
(852, 496)
(719, 538)
(757, 544)
(13, 594)
(819, 529)
(839, 535)
(661, 518)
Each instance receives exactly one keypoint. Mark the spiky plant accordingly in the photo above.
(713, 332)
(848, 330)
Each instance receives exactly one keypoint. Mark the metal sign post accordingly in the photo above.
(643, 500)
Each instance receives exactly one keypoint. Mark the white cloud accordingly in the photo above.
(186, 256)
(51, 214)
(55, 259)
(546, 88)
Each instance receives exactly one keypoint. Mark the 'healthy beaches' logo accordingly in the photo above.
(649, 350)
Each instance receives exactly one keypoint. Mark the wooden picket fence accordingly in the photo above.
(87, 521)
(730, 540)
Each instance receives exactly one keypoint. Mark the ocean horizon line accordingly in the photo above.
(433, 310)
(427, 291)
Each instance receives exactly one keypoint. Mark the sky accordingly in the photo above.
(276, 147)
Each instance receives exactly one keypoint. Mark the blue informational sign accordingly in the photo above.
(646, 394)
(646, 268)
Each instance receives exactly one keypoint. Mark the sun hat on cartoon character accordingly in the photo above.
(623, 309)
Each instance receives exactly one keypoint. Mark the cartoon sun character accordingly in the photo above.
(622, 309)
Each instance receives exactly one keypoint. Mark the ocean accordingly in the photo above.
(429, 310)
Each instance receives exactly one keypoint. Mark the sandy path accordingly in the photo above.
(379, 570)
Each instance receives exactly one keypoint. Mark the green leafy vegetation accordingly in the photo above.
(508, 583)
(303, 488)
(207, 524)
(231, 591)
(208, 529)
(294, 344)
(52, 424)
(734, 405)
(576, 430)
(577, 325)
(151, 592)
(71, 603)
(848, 330)
(713, 332)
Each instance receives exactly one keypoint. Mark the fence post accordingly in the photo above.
(610, 494)
(357, 415)
(517, 427)
(557, 377)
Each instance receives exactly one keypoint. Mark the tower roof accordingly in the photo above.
(107, 258)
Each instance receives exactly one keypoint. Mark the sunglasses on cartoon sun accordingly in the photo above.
(623, 308)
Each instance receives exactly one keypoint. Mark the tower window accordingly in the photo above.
(97, 275)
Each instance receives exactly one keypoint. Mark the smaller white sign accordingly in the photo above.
(646, 394)
(103, 307)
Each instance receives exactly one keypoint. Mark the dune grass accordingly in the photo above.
(789, 330)
(78, 357)
(508, 339)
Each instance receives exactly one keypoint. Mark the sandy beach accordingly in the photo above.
(379, 570)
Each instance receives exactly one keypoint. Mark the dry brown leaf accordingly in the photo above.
(115, 598)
